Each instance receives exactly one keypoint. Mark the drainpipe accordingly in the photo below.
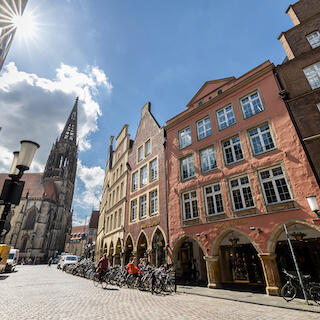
(283, 95)
(166, 191)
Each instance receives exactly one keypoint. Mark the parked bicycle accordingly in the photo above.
(292, 286)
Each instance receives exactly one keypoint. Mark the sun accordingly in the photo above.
(25, 25)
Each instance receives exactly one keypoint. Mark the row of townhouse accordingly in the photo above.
(211, 190)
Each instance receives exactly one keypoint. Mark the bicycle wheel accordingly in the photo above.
(170, 286)
(314, 292)
(288, 292)
(104, 284)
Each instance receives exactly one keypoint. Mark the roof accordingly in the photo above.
(34, 186)
(93, 224)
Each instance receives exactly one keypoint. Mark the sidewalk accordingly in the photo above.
(248, 297)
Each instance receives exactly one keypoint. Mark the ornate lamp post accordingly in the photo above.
(13, 187)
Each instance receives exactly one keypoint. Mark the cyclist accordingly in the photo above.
(102, 267)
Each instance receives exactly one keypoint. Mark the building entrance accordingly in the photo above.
(190, 266)
(239, 262)
(158, 247)
(142, 247)
(306, 245)
(128, 250)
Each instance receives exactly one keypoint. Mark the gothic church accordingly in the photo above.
(42, 220)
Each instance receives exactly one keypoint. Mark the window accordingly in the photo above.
(121, 190)
(121, 169)
(117, 197)
(110, 203)
(120, 218)
(147, 148)
(113, 196)
(314, 39)
(140, 153)
(133, 216)
(241, 193)
(153, 198)
(190, 205)
(134, 181)
(318, 106)
(213, 199)
(115, 220)
(232, 150)
(208, 159)
(275, 187)
(204, 128)
(187, 168)
(111, 222)
(261, 139)
(143, 176)
(226, 117)
(184, 138)
(251, 105)
(143, 206)
(153, 170)
(312, 73)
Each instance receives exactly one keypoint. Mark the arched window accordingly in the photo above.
(31, 220)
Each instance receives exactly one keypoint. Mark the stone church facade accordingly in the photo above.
(42, 220)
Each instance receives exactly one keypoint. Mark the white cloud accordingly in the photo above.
(92, 178)
(36, 108)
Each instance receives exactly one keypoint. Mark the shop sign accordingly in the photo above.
(229, 224)
(152, 224)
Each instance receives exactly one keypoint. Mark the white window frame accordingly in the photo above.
(182, 137)
(140, 153)
(312, 74)
(232, 147)
(143, 206)
(153, 171)
(314, 39)
(241, 187)
(251, 104)
(260, 135)
(190, 201)
(225, 113)
(203, 124)
(133, 210)
(189, 163)
(147, 150)
(213, 194)
(273, 180)
(135, 184)
(143, 178)
(153, 202)
(205, 156)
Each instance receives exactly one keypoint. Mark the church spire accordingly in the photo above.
(69, 132)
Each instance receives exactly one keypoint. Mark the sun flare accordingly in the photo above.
(25, 25)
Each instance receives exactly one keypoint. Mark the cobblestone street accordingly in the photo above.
(40, 292)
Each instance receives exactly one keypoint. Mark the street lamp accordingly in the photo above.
(13, 187)
(312, 201)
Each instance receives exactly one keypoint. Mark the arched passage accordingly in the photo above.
(158, 248)
(117, 253)
(239, 264)
(128, 250)
(188, 256)
(110, 253)
(142, 246)
(305, 240)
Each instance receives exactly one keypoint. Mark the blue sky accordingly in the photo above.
(157, 51)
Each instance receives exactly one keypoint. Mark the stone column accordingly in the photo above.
(213, 271)
(271, 273)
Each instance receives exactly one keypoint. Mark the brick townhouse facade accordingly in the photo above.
(146, 219)
(236, 173)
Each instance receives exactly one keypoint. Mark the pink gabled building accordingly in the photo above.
(236, 172)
